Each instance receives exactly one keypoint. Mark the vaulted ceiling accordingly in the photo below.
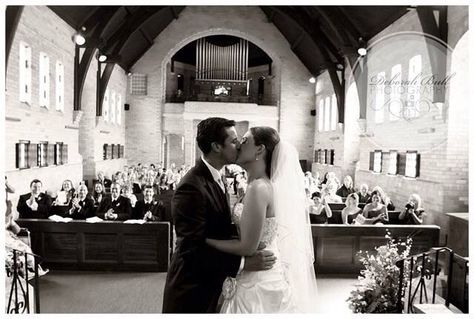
(319, 35)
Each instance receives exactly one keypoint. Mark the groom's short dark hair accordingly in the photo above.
(212, 130)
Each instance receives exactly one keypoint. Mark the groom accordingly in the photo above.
(200, 210)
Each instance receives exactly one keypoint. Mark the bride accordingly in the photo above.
(273, 212)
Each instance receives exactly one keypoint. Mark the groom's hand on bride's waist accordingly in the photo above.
(261, 260)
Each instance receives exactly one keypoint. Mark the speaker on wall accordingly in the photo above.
(127, 107)
(313, 112)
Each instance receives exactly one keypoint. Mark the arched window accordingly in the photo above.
(25, 72)
(59, 86)
(379, 99)
(321, 115)
(395, 103)
(327, 113)
(412, 109)
(105, 106)
(333, 112)
(44, 80)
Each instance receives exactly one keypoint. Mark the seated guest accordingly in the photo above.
(320, 211)
(127, 192)
(384, 198)
(363, 193)
(310, 184)
(413, 213)
(63, 199)
(347, 187)
(34, 204)
(350, 212)
(81, 206)
(106, 183)
(329, 192)
(375, 212)
(148, 208)
(116, 207)
(98, 195)
(330, 177)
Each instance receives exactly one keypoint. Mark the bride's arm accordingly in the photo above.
(251, 223)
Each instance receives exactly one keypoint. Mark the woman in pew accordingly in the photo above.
(351, 211)
(320, 212)
(127, 192)
(82, 206)
(384, 198)
(413, 213)
(63, 200)
(329, 193)
(374, 212)
(98, 196)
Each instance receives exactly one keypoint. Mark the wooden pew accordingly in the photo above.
(107, 245)
(336, 246)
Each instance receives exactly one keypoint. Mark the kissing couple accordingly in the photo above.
(267, 266)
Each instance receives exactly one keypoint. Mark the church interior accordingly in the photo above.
(377, 95)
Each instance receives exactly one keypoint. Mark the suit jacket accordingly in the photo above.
(121, 207)
(86, 210)
(44, 206)
(196, 273)
(105, 182)
(156, 208)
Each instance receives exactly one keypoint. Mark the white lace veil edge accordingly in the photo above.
(295, 239)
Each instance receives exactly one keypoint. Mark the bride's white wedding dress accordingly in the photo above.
(265, 291)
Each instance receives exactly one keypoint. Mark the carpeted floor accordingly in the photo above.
(123, 292)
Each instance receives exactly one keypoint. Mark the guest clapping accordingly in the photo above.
(115, 208)
(413, 213)
(81, 206)
(63, 199)
(148, 208)
(34, 204)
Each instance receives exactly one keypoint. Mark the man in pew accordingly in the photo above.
(34, 204)
(148, 208)
(82, 206)
(115, 207)
(363, 193)
(103, 180)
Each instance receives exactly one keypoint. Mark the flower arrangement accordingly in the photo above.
(377, 291)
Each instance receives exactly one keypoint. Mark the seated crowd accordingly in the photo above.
(130, 194)
(361, 206)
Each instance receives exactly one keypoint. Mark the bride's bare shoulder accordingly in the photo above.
(261, 187)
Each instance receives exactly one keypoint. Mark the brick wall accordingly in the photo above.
(440, 136)
(296, 93)
(44, 32)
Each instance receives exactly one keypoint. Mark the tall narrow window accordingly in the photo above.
(25, 73)
(44, 80)
(105, 106)
(395, 103)
(327, 113)
(379, 99)
(393, 164)
(321, 116)
(118, 114)
(333, 112)
(22, 154)
(412, 168)
(42, 155)
(378, 161)
(412, 108)
(112, 107)
(59, 86)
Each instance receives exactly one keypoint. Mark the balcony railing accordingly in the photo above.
(269, 99)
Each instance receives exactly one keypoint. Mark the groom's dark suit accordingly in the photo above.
(200, 210)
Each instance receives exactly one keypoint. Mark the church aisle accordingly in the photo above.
(119, 292)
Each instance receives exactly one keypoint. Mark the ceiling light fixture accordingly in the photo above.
(79, 39)
(362, 47)
(102, 58)
(312, 80)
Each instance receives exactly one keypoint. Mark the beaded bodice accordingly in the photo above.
(269, 230)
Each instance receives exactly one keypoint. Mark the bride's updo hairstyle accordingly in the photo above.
(269, 137)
